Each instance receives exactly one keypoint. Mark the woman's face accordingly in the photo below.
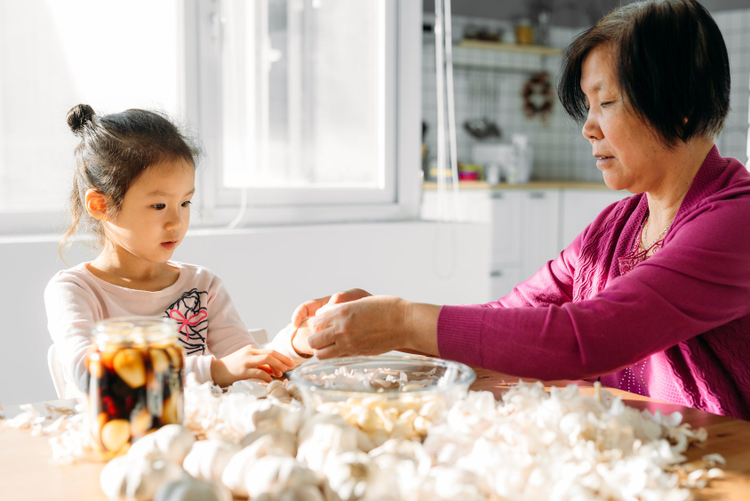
(629, 154)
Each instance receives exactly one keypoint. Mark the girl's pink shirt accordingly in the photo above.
(209, 325)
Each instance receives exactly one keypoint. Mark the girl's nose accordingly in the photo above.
(174, 220)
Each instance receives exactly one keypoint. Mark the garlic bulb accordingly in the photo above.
(353, 476)
(136, 478)
(188, 488)
(275, 474)
(324, 436)
(269, 415)
(271, 443)
(276, 390)
(208, 458)
(262, 444)
(173, 441)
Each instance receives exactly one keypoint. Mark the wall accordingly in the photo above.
(560, 151)
(267, 271)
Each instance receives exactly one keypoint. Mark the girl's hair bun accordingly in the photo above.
(79, 116)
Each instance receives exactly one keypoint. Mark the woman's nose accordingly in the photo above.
(591, 130)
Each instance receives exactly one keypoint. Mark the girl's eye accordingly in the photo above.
(186, 203)
(604, 105)
(159, 206)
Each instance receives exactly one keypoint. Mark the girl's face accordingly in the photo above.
(627, 151)
(155, 212)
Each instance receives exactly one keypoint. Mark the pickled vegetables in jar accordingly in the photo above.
(136, 381)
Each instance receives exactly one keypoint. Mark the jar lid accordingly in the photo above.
(135, 330)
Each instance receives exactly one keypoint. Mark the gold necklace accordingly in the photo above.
(642, 245)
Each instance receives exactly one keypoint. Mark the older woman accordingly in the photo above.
(654, 296)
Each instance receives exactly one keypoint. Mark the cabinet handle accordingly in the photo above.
(496, 195)
(537, 194)
(496, 273)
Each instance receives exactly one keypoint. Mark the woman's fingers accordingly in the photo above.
(346, 296)
(321, 339)
(307, 309)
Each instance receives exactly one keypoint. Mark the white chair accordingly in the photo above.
(260, 335)
(56, 371)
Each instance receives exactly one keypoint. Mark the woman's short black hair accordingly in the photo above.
(671, 63)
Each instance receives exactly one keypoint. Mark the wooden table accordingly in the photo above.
(27, 474)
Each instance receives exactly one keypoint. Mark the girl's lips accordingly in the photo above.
(169, 245)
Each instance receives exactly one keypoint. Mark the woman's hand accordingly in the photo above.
(373, 325)
(249, 362)
(311, 307)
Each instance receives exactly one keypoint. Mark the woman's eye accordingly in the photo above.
(159, 206)
(186, 203)
(604, 105)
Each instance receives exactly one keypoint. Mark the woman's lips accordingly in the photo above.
(603, 161)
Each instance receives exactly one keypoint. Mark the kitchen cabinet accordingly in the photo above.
(528, 226)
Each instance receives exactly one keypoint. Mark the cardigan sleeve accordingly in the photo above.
(698, 281)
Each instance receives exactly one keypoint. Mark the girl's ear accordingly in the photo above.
(96, 204)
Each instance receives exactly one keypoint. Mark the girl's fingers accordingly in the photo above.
(276, 365)
(258, 374)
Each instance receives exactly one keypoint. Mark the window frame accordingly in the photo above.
(288, 206)
(216, 207)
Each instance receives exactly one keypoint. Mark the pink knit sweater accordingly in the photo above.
(675, 328)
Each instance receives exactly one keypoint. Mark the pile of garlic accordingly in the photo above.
(258, 441)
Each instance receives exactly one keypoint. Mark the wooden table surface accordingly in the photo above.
(26, 472)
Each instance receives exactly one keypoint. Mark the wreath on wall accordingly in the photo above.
(538, 96)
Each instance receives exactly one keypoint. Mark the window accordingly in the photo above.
(309, 107)
(59, 54)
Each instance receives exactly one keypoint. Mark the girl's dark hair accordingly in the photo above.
(114, 150)
(671, 64)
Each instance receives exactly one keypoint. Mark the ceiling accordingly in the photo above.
(572, 13)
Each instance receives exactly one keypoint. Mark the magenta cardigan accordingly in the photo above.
(676, 328)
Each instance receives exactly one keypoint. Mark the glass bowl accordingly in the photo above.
(386, 396)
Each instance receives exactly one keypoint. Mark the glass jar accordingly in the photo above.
(524, 32)
(136, 380)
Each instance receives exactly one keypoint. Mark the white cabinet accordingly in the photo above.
(578, 208)
(523, 224)
(541, 224)
(528, 226)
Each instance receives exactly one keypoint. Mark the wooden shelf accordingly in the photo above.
(526, 49)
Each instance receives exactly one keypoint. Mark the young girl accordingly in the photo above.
(134, 179)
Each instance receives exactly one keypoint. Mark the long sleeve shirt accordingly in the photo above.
(675, 328)
(209, 325)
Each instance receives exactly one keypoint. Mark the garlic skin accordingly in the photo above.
(248, 386)
(187, 488)
(136, 478)
(208, 458)
(174, 441)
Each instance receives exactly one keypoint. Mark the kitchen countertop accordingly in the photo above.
(27, 473)
(533, 185)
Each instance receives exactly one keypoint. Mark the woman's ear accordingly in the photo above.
(96, 204)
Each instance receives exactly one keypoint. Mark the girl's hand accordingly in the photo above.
(299, 340)
(249, 362)
(309, 308)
